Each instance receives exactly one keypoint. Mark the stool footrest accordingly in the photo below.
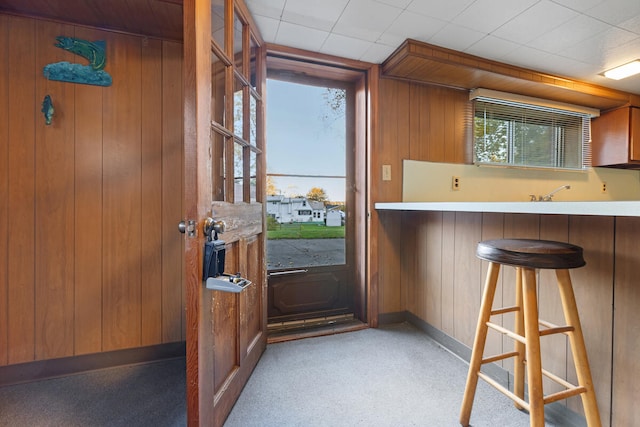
(557, 379)
(505, 310)
(497, 357)
(552, 328)
(565, 394)
(507, 332)
(521, 402)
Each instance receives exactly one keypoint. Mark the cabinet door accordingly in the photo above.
(634, 134)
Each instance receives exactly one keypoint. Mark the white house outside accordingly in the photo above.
(294, 209)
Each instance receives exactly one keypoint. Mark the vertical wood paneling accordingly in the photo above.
(448, 271)
(436, 133)
(122, 196)
(390, 148)
(467, 276)
(626, 345)
(87, 271)
(553, 347)
(4, 187)
(151, 220)
(21, 201)
(593, 286)
(173, 290)
(432, 261)
(88, 103)
(409, 255)
(493, 228)
(54, 210)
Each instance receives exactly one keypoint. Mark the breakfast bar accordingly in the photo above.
(440, 280)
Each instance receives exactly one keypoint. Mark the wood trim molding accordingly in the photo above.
(422, 62)
(53, 368)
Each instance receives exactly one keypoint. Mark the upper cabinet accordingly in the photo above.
(616, 138)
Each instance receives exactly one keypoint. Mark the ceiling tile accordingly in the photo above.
(568, 34)
(492, 47)
(301, 37)
(397, 3)
(411, 25)
(615, 11)
(535, 22)
(527, 57)
(268, 27)
(445, 10)
(594, 49)
(366, 19)
(268, 8)
(632, 24)
(377, 53)
(456, 37)
(579, 5)
(341, 46)
(319, 15)
(488, 15)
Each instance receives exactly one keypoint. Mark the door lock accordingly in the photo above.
(188, 227)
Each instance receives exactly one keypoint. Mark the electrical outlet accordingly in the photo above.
(386, 172)
(455, 183)
(604, 187)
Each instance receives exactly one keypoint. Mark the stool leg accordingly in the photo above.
(479, 342)
(578, 348)
(518, 367)
(532, 334)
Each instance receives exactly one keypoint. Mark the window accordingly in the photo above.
(527, 133)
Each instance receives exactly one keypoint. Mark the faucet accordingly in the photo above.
(549, 196)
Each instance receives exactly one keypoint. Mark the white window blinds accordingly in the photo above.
(512, 133)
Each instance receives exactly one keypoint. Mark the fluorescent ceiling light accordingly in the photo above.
(624, 71)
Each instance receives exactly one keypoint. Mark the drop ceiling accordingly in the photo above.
(578, 39)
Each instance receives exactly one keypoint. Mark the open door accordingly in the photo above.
(223, 84)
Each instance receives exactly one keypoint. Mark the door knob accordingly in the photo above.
(212, 227)
(182, 226)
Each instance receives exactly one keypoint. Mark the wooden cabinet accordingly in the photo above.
(616, 138)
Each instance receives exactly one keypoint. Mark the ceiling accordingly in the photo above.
(578, 39)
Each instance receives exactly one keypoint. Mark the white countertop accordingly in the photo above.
(611, 208)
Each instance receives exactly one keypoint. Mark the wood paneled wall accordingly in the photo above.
(426, 265)
(90, 256)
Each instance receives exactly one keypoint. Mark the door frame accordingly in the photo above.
(364, 76)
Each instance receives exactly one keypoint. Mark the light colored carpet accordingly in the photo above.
(392, 376)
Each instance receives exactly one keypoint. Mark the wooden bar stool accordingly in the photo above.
(526, 256)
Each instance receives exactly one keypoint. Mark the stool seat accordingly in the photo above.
(530, 253)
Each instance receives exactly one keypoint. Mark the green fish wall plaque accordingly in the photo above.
(92, 74)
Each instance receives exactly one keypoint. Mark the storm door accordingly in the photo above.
(311, 237)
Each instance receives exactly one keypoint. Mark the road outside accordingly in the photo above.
(299, 253)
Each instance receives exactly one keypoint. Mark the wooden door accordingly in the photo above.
(224, 79)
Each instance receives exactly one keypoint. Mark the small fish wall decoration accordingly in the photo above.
(47, 109)
(92, 74)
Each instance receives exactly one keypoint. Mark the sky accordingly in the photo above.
(304, 137)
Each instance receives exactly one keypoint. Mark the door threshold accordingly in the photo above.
(289, 331)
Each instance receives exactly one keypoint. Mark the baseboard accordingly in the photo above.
(556, 412)
(52, 368)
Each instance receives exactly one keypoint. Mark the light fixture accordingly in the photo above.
(623, 71)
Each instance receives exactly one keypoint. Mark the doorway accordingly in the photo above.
(311, 197)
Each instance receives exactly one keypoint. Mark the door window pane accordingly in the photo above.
(217, 22)
(306, 175)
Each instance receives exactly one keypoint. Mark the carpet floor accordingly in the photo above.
(392, 376)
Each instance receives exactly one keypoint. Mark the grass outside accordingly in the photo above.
(306, 230)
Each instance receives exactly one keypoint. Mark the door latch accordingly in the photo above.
(188, 227)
